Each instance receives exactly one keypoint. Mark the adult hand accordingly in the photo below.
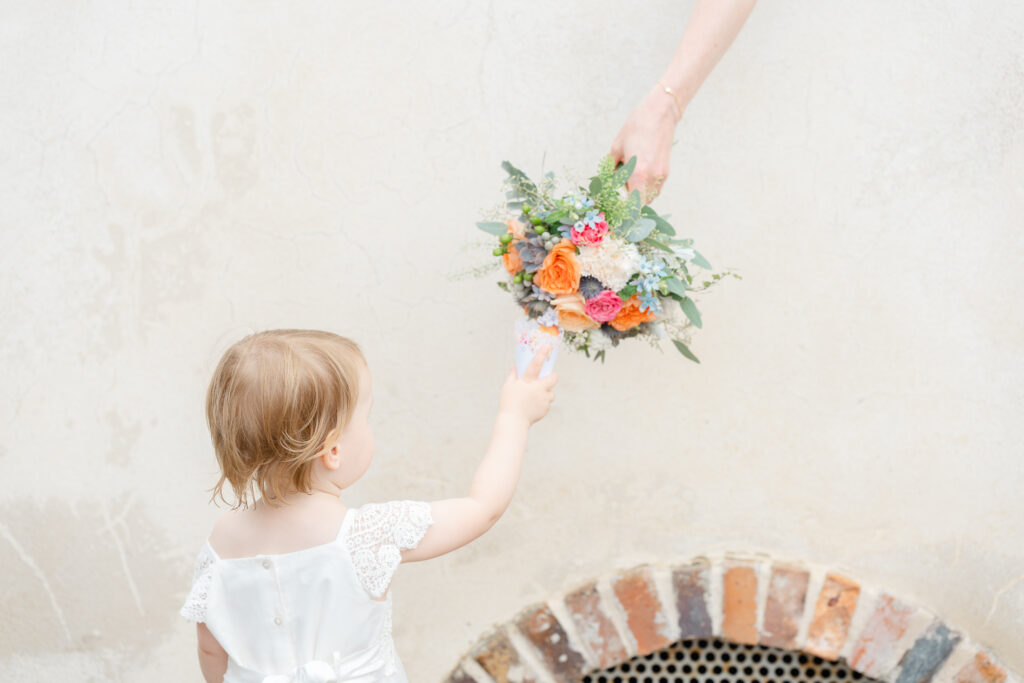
(647, 134)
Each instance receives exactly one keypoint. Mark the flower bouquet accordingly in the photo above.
(596, 263)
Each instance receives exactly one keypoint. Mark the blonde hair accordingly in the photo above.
(276, 398)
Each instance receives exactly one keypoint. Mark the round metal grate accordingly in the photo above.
(718, 661)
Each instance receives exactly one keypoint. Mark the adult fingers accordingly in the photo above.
(616, 150)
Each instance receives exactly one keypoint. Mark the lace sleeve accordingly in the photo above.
(378, 534)
(194, 608)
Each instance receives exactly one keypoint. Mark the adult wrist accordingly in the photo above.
(673, 95)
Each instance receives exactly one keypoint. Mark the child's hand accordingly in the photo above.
(529, 396)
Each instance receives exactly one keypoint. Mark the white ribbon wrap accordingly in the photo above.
(361, 667)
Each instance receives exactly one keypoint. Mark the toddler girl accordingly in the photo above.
(292, 585)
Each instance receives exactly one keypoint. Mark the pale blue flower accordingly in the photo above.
(652, 267)
(579, 201)
(649, 302)
(646, 283)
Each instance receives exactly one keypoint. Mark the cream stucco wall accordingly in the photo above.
(174, 174)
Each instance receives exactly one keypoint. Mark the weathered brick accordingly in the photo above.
(541, 628)
(877, 649)
(739, 604)
(787, 591)
(499, 658)
(594, 626)
(691, 587)
(644, 614)
(981, 669)
(927, 654)
(460, 675)
(832, 615)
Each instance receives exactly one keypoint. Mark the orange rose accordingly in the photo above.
(560, 272)
(517, 229)
(630, 315)
(513, 264)
(571, 317)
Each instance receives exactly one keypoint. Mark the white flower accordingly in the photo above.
(684, 253)
(549, 318)
(597, 340)
(613, 262)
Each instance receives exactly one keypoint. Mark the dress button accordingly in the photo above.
(277, 620)
(266, 564)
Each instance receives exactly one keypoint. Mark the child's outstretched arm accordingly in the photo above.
(457, 521)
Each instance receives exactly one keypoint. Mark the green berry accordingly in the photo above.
(528, 277)
(518, 278)
(498, 251)
(526, 208)
(535, 220)
(506, 238)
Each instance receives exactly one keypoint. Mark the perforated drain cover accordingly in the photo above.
(718, 661)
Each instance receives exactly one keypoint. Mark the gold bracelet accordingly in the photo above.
(679, 107)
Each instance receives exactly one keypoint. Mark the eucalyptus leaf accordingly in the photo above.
(685, 350)
(675, 286)
(595, 185)
(657, 245)
(493, 227)
(638, 230)
(663, 225)
(690, 309)
(701, 261)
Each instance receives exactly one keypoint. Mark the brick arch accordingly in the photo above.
(748, 600)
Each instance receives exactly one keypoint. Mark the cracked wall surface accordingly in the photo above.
(175, 176)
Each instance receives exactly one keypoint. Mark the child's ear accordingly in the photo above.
(332, 457)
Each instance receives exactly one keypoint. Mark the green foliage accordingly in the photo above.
(637, 230)
(663, 225)
(675, 286)
(604, 190)
(685, 350)
(701, 261)
(493, 227)
(657, 245)
(521, 188)
(690, 309)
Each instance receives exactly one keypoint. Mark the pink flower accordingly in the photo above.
(589, 234)
(604, 307)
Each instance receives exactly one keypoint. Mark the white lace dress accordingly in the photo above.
(311, 616)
